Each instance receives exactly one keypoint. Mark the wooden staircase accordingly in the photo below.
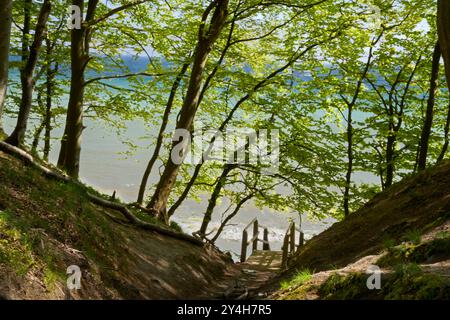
(265, 259)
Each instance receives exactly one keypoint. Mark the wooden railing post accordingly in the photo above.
(301, 239)
(255, 235)
(292, 238)
(266, 245)
(285, 252)
(244, 246)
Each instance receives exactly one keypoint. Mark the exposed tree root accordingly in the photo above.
(139, 223)
(27, 158)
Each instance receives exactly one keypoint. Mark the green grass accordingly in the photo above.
(298, 279)
(389, 243)
(15, 246)
(414, 236)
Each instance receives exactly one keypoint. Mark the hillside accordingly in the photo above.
(46, 226)
(404, 230)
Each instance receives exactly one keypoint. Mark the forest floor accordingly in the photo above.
(405, 231)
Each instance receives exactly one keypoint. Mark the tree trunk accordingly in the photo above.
(5, 34)
(26, 77)
(37, 136)
(390, 150)
(74, 120)
(446, 138)
(50, 75)
(231, 216)
(39, 129)
(348, 176)
(69, 157)
(443, 26)
(214, 196)
(426, 131)
(159, 139)
(206, 40)
(62, 150)
(350, 132)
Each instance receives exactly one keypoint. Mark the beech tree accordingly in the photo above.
(5, 32)
(27, 70)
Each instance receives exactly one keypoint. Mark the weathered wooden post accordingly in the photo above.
(285, 250)
(292, 237)
(244, 246)
(266, 245)
(255, 235)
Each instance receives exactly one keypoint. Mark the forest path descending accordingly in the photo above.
(252, 274)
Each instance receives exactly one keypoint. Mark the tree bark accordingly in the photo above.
(443, 26)
(69, 156)
(428, 123)
(206, 39)
(159, 139)
(390, 159)
(49, 84)
(39, 129)
(26, 77)
(350, 105)
(446, 138)
(214, 196)
(5, 35)
(348, 175)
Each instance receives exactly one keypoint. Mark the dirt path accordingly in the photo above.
(248, 277)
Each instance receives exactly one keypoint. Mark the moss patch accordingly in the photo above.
(435, 250)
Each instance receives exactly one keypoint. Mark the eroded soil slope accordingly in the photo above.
(46, 226)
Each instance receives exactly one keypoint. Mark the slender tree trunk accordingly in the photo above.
(160, 138)
(214, 196)
(69, 156)
(230, 216)
(26, 77)
(446, 137)
(350, 132)
(40, 128)
(62, 150)
(5, 34)
(206, 40)
(390, 150)
(50, 74)
(37, 136)
(443, 26)
(426, 131)
(348, 176)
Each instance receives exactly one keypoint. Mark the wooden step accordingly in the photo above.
(264, 260)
